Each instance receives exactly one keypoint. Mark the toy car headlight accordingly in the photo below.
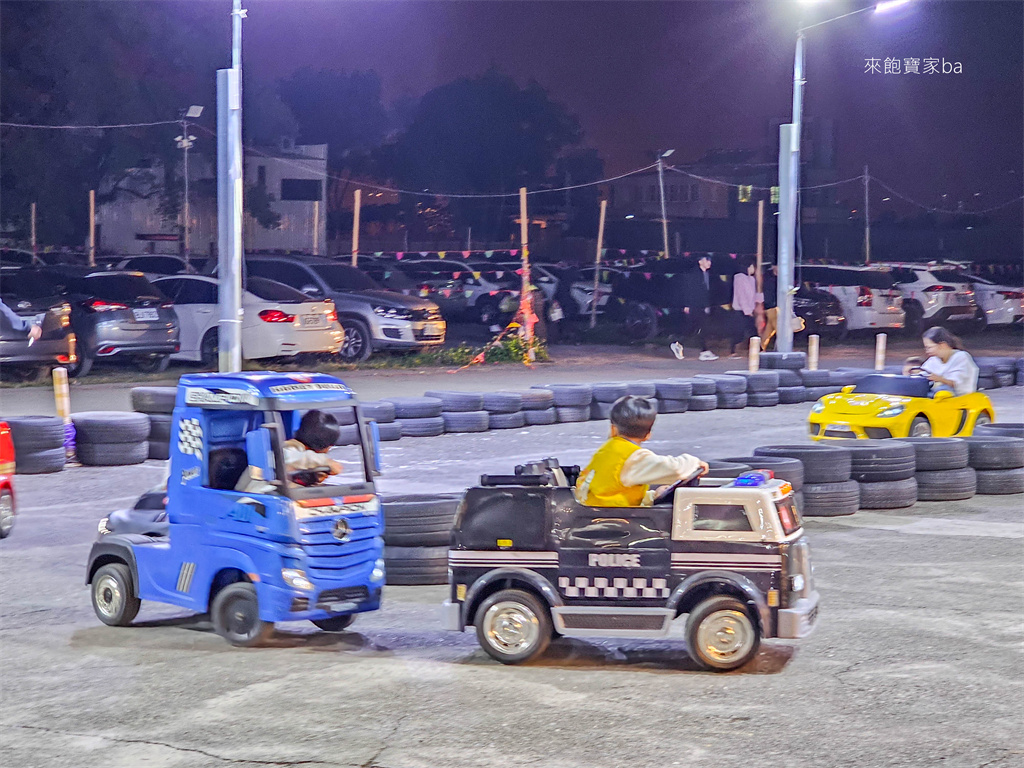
(296, 578)
(378, 571)
(893, 410)
(818, 407)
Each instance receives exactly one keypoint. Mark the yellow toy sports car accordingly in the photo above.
(883, 405)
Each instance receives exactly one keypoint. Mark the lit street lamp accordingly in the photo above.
(184, 142)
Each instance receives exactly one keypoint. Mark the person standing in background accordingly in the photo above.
(744, 301)
(697, 309)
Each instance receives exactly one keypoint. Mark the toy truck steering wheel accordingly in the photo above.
(307, 477)
(668, 493)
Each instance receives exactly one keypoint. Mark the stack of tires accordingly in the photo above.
(1001, 429)
(111, 438)
(784, 468)
(383, 413)
(791, 387)
(730, 391)
(417, 529)
(885, 471)
(605, 394)
(538, 407)
(572, 401)
(817, 384)
(461, 411)
(725, 469)
(783, 361)
(418, 416)
(1020, 372)
(942, 473)
(38, 444)
(996, 372)
(704, 394)
(505, 410)
(673, 395)
(158, 405)
(762, 387)
(828, 489)
(998, 463)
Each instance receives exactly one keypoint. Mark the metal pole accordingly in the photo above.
(664, 218)
(758, 274)
(526, 298)
(789, 183)
(32, 217)
(316, 227)
(469, 238)
(813, 342)
(867, 219)
(597, 264)
(186, 144)
(357, 202)
(92, 227)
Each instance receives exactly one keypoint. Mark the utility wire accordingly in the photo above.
(932, 209)
(753, 186)
(89, 127)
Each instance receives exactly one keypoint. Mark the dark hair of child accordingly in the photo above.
(633, 416)
(318, 430)
(939, 335)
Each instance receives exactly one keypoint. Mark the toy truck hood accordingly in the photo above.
(261, 391)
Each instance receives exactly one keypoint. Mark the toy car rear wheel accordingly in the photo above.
(920, 427)
(113, 597)
(513, 626)
(6, 514)
(335, 623)
(236, 616)
(721, 635)
(982, 420)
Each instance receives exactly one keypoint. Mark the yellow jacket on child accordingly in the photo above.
(621, 472)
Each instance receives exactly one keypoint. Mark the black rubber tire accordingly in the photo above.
(791, 395)
(790, 470)
(732, 399)
(842, 378)
(235, 616)
(160, 427)
(335, 623)
(608, 392)
(822, 463)
(510, 420)
(154, 399)
(725, 384)
(1001, 429)
(419, 520)
(640, 322)
(503, 402)
(380, 411)
(1019, 381)
(39, 462)
(8, 513)
(35, 433)
(601, 411)
(933, 454)
(82, 365)
(815, 378)
(112, 454)
(726, 469)
(160, 451)
(996, 482)
(995, 452)
(408, 566)
(344, 416)
(389, 431)
(788, 378)
(537, 399)
(110, 427)
(946, 484)
(112, 585)
(830, 499)
(465, 421)
(455, 402)
(358, 343)
(673, 389)
(570, 414)
(813, 394)
(703, 402)
(720, 604)
(763, 399)
(152, 363)
(1006, 379)
(893, 494)
(348, 434)
(416, 407)
(641, 388)
(674, 406)
(920, 427)
(538, 418)
(798, 499)
(792, 361)
(428, 426)
(209, 348)
(532, 605)
(570, 395)
(988, 382)
(758, 381)
(877, 461)
(702, 386)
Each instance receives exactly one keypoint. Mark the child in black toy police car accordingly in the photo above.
(621, 472)
(307, 450)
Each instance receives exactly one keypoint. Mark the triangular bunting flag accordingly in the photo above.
(465, 254)
(644, 252)
(513, 253)
(441, 254)
(424, 253)
(399, 254)
(378, 253)
(488, 254)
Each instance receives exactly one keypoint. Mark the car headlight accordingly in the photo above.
(894, 410)
(818, 407)
(102, 527)
(393, 313)
(296, 579)
(378, 571)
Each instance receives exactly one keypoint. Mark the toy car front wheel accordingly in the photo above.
(721, 635)
(920, 427)
(513, 626)
(335, 623)
(236, 616)
(981, 421)
(6, 514)
(113, 597)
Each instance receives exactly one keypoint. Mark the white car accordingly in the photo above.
(998, 304)
(277, 320)
(929, 299)
(870, 298)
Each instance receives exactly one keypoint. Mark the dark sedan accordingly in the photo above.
(34, 300)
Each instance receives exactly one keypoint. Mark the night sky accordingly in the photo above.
(705, 74)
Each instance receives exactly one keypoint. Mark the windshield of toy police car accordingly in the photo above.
(789, 515)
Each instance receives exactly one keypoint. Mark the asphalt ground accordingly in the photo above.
(916, 660)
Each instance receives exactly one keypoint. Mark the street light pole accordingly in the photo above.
(661, 186)
(185, 142)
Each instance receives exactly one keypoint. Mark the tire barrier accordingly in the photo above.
(153, 399)
(511, 420)
(791, 361)
(569, 395)
(997, 482)
(465, 421)
(946, 484)
(674, 406)
(609, 392)
(111, 438)
(537, 399)
(380, 411)
(998, 463)
(822, 463)
(881, 461)
(38, 444)
(572, 413)
(673, 389)
(792, 395)
(416, 407)
(409, 566)
(813, 394)
(889, 494)
(758, 381)
(790, 470)
(602, 410)
(457, 402)
(703, 402)
(702, 386)
(788, 378)
(814, 378)
(830, 499)
(503, 402)
(160, 436)
(934, 454)
(763, 399)
(732, 399)
(419, 520)
(1000, 429)
(425, 426)
(725, 384)
(539, 418)
(720, 468)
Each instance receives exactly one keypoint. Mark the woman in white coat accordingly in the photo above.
(949, 366)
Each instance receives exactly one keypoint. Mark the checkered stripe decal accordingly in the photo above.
(581, 586)
(190, 437)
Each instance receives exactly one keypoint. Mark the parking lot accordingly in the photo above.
(915, 662)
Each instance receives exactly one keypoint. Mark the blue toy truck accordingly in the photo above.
(243, 540)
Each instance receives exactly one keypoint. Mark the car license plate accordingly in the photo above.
(434, 329)
(339, 607)
(314, 321)
(833, 320)
(144, 314)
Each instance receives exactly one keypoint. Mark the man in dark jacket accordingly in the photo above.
(697, 308)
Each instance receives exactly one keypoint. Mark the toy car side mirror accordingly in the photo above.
(942, 394)
(848, 389)
(373, 446)
(259, 450)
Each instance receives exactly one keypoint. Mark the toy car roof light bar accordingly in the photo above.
(754, 479)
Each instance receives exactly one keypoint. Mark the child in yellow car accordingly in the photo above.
(621, 473)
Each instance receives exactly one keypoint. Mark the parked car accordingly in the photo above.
(997, 304)
(153, 265)
(822, 312)
(870, 298)
(467, 290)
(29, 295)
(277, 320)
(929, 299)
(373, 319)
(117, 315)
